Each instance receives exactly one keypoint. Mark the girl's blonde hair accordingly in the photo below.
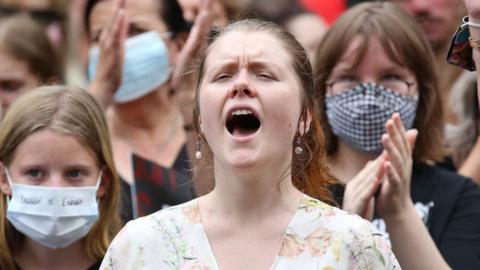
(68, 111)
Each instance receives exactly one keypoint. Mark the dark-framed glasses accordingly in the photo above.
(395, 84)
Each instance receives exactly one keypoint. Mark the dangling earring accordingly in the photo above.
(198, 153)
(298, 146)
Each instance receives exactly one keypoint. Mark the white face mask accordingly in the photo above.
(53, 216)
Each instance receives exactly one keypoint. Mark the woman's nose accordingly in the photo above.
(242, 86)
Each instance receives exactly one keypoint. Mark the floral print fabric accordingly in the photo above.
(318, 236)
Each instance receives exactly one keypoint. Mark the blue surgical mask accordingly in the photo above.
(54, 217)
(358, 116)
(146, 66)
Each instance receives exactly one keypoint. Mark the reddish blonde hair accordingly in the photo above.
(310, 172)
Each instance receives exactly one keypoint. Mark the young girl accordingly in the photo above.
(260, 142)
(376, 75)
(60, 191)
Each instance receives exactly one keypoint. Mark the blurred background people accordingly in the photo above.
(308, 29)
(59, 212)
(135, 47)
(439, 20)
(375, 62)
(27, 56)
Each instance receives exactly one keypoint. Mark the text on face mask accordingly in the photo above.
(65, 202)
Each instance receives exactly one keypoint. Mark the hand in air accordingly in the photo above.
(360, 191)
(108, 76)
(398, 143)
(195, 42)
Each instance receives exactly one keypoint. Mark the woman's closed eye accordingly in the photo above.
(266, 76)
(222, 77)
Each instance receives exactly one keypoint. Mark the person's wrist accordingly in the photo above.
(401, 215)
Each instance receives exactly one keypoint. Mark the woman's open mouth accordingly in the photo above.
(242, 122)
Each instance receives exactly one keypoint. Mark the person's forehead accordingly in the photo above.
(258, 45)
(132, 8)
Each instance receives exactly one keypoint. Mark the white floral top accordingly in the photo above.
(319, 236)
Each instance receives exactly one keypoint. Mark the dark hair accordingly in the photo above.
(170, 11)
(405, 43)
(309, 172)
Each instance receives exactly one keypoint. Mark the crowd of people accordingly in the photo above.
(236, 134)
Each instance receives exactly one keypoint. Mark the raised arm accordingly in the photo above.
(108, 75)
(410, 238)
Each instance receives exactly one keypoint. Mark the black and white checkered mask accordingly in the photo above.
(358, 116)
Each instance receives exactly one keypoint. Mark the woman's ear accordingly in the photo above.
(4, 183)
(304, 123)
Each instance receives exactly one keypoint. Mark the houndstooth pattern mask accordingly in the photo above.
(358, 116)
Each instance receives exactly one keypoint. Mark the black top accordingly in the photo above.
(449, 205)
(156, 187)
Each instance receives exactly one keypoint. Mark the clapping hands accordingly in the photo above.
(388, 176)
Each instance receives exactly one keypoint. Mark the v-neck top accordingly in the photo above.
(318, 236)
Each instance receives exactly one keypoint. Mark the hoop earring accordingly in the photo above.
(198, 153)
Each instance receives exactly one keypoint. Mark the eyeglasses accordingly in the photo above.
(398, 85)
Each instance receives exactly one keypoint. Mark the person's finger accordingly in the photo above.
(411, 135)
(395, 158)
(361, 179)
(397, 121)
(396, 138)
(107, 35)
(120, 31)
(393, 178)
(370, 209)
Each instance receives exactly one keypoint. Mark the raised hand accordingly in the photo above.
(108, 75)
(195, 41)
(359, 192)
(394, 195)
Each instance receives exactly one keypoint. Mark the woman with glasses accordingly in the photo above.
(379, 95)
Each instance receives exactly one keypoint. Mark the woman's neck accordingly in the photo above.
(254, 196)
(347, 162)
(35, 256)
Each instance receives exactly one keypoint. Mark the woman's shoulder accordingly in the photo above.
(324, 213)
(151, 228)
(320, 228)
(152, 238)
(316, 215)
(174, 215)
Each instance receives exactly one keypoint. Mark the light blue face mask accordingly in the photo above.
(145, 68)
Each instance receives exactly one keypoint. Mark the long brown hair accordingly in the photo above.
(405, 43)
(68, 111)
(309, 173)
